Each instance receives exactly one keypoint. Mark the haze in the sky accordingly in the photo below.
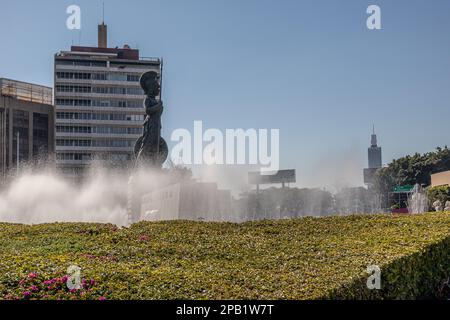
(309, 68)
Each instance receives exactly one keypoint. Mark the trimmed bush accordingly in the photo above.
(308, 258)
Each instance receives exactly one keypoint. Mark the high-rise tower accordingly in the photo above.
(374, 159)
(374, 152)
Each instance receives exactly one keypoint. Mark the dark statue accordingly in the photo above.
(151, 149)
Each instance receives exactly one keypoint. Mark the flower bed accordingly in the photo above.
(308, 258)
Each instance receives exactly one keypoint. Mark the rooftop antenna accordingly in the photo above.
(103, 12)
(373, 138)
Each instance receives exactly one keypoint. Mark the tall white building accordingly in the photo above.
(99, 104)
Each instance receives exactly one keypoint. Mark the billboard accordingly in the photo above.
(282, 176)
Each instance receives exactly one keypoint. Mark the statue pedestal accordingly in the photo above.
(186, 201)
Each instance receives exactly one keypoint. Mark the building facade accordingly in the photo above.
(26, 125)
(440, 179)
(99, 104)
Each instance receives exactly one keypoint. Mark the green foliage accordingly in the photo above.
(441, 193)
(308, 258)
(410, 170)
(413, 169)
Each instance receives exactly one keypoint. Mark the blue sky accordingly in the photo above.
(310, 68)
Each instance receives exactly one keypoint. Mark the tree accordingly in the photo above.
(410, 170)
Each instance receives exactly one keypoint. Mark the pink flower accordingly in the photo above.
(92, 282)
(27, 294)
(144, 238)
(32, 275)
(102, 298)
(34, 288)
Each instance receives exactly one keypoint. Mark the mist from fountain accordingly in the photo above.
(417, 200)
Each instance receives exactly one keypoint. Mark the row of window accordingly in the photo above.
(102, 90)
(99, 143)
(73, 143)
(117, 90)
(98, 129)
(118, 103)
(73, 88)
(73, 156)
(98, 76)
(73, 75)
(99, 116)
(100, 103)
(76, 63)
(73, 102)
(88, 156)
(103, 64)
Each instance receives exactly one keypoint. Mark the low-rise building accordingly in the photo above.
(440, 179)
(27, 125)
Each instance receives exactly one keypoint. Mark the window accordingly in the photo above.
(132, 78)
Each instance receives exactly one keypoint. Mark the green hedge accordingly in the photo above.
(308, 258)
(418, 275)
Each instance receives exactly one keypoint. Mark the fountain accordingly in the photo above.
(164, 196)
(417, 200)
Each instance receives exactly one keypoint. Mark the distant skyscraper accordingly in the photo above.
(374, 152)
(374, 159)
(99, 104)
